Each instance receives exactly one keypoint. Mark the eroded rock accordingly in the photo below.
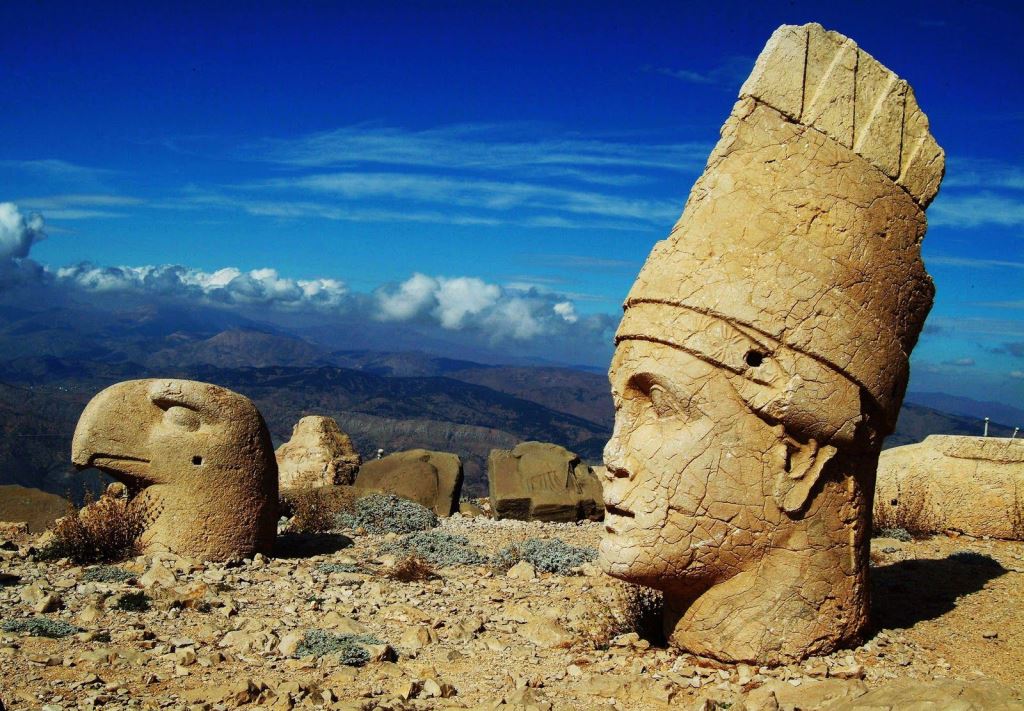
(318, 454)
(974, 485)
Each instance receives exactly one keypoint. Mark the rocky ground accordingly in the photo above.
(219, 637)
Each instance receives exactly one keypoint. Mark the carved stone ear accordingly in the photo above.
(804, 463)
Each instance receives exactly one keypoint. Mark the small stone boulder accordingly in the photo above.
(318, 454)
(538, 481)
(432, 479)
(974, 485)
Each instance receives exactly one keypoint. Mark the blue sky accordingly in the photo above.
(517, 156)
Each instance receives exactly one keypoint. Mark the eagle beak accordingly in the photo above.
(112, 433)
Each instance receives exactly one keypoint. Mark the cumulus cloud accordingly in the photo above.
(496, 313)
(229, 286)
(450, 300)
(567, 311)
(18, 232)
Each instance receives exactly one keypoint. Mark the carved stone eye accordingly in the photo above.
(182, 417)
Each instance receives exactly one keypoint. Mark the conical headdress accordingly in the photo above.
(805, 229)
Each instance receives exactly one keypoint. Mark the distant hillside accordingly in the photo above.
(965, 406)
(53, 360)
(917, 422)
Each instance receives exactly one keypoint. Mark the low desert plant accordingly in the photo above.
(909, 511)
(40, 627)
(551, 555)
(311, 511)
(349, 648)
(132, 602)
(410, 569)
(631, 608)
(435, 547)
(387, 513)
(1017, 515)
(107, 574)
(105, 530)
(329, 568)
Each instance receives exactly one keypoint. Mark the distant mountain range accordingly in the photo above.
(53, 360)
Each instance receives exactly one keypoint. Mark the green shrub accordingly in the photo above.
(107, 574)
(387, 513)
(436, 547)
(549, 555)
(40, 627)
(329, 568)
(900, 534)
(350, 648)
(132, 602)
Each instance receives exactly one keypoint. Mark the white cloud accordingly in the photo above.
(972, 263)
(729, 74)
(18, 232)
(1017, 374)
(259, 287)
(567, 311)
(471, 304)
(414, 296)
(477, 146)
(983, 208)
(461, 297)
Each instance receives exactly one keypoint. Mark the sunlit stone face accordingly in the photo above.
(690, 472)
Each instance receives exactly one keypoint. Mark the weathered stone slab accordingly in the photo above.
(974, 485)
(537, 481)
(433, 479)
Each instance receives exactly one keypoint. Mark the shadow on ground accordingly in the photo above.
(306, 545)
(911, 591)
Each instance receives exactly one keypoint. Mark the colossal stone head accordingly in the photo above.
(763, 355)
(196, 458)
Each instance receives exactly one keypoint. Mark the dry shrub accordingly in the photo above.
(410, 569)
(104, 531)
(631, 608)
(315, 510)
(1017, 515)
(908, 511)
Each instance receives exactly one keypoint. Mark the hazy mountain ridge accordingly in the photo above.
(53, 360)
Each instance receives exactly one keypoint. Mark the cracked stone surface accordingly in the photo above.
(974, 485)
(763, 356)
(539, 481)
(196, 458)
(318, 454)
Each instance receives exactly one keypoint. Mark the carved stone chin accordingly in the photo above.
(196, 458)
(763, 356)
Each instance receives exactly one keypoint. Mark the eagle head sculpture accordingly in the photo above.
(196, 458)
